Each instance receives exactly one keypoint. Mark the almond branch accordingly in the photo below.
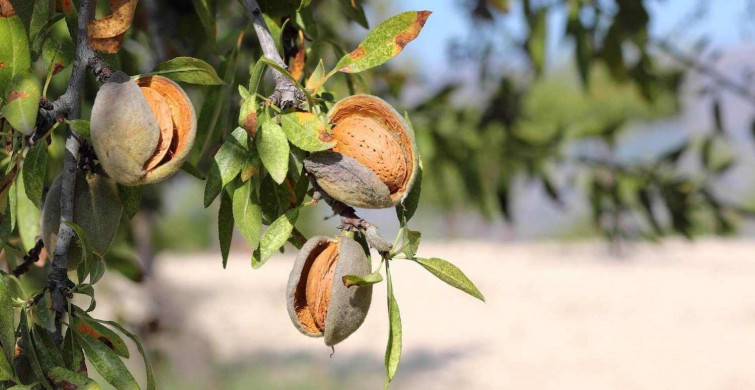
(286, 95)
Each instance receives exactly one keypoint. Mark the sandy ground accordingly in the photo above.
(558, 316)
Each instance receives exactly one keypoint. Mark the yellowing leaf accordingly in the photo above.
(106, 34)
(384, 42)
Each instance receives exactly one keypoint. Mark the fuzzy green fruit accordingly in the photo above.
(374, 162)
(142, 130)
(319, 304)
(97, 209)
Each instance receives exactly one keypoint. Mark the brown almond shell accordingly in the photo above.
(134, 141)
(377, 145)
(348, 306)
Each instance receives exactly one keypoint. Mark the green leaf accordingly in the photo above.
(80, 127)
(7, 322)
(450, 274)
(393, 349)
(272, 147)
(188, 70)
(44, 314)
(22, 104)
(46, 350)
(27, 216)
(306, 131)
(410, 243)
(317, 78)
(131, 198)
(247, 213)
(24, 10)
(35, 171)
(107, 363)
(150, 374)
(71, 351)
(536, 41)
(275, 236)
(354, 11)
(305, 20)
(14, 51)
(384, 42)
(64, 378)
(102, 333)
(206, 12)
(304, 4)
(192, 170)
(81, 234)
(42, 21)
(225, 225)
(6, 369)
(226, 165)
(366, 280)
(31, 354)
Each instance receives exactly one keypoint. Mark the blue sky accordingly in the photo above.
(724, 23)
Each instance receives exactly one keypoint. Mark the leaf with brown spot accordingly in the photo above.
(296, 65)
(102, 333)
(384, 42)
(14, 50)
(6, 9)
(23, 104)
(106, 34)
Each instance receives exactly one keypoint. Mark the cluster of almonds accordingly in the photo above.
(373, 165)
(142, 131)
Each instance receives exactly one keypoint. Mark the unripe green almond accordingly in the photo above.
(347, 306)
(140, 140)
(97, 209)
(374, 162)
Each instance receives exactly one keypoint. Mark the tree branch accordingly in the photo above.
(349, 218)
(31, 258)
(706, 70)
(286, 95)
(68, 106)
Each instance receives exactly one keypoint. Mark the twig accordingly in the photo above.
(286, 95)
(706, 70)
(31, 258)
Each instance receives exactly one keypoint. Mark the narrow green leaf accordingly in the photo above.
(150, 375)
(41, 24)
(411, 242)
(31, 354)
(71, 352)
(35, 171)
(81, 234)
(225, 225)
(450, 274)
(7, 321)
(6, 369)
(22, 104)
(27, 216)
(58, 54)
(206, 11)
(386, 41)
(192, 170)
(14, 51)
(24, 9)
(275, 236)
(107, 363)
(306, 131)
(272, 147)
(536, 44)
(188, 70)
(366, 280)
(80, 127)
(247, 213)
(317, 78)
(102, 333)
(354, 11)
(44, 314)
(46, 350)
(393, 349)
(226, 165)
(304, 4)
(131, 198)
(66, 379)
